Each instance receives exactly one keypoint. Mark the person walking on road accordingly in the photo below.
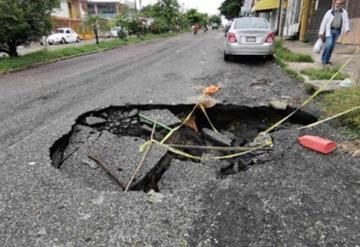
(196, 28)
(335, 21)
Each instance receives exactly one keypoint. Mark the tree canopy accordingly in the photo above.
(23, 21)
(231, 8)
(196, 17)
(215, 19)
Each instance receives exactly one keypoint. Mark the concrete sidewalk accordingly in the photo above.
(341, 54)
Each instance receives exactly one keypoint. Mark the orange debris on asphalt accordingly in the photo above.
(213, 89)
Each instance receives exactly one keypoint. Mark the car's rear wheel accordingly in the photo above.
(78, 40)
(227, 57)
(63, 41)
(269, 57)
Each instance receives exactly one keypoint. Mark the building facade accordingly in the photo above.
(69, 13)
(107, 9)
(292, 18)
(313, 11)
(270, 10)
(353, 8)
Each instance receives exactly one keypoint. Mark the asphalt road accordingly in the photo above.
(41, 207)
(169, 71)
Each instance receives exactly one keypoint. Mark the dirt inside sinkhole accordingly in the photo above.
(115, 135)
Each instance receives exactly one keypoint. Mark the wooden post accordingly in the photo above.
(279, 18)
(305, 15)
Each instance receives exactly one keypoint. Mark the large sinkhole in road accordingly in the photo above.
(114, 135)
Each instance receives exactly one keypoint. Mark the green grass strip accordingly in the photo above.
(285, 54)
(44, 56)
(323, 74)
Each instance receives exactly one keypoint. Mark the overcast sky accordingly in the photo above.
(205, 6)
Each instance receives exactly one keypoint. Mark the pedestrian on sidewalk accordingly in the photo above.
(334, 23)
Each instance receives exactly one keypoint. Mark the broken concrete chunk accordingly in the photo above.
(92, 164)
(278, 105)
(216, 137)
(133, 113)
(123, 153)
(262, 158)
(162, 116)
(146, 128)
(217, 165)
(228, 134)
(155, 197)
(317, 84)
(183, 175)
(94, 120)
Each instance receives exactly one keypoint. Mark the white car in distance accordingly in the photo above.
(63, 36)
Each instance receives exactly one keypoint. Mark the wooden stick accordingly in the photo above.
(113, 172)
(142, 161)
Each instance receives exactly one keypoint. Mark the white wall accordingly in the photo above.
(292, 22)
(63, 11)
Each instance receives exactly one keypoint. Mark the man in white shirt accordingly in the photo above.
(335, 22)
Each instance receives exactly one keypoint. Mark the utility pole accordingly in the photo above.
(305, 15)
(279, 18)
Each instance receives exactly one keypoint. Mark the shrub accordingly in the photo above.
(159, 26)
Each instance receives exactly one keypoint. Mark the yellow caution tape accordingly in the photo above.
(330, 118)
(144, 146)
(208, 119)
(307, 101)
(187, 155)
(182, 123)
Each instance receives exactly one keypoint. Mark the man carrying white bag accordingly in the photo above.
(319, 45)
(334, 23)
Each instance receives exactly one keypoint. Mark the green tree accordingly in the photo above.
(23, 21)
(196, 17)
(215, 19)
(170, 12)
(164, 12)
(231, 8)
(152, 11)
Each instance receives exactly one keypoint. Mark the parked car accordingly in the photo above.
(114, 32)
(214, 26)
(249, 36)
(62, 36)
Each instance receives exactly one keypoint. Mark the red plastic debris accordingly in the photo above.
(213, 89)
(317, 143)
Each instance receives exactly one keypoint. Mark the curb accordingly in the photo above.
(82, 54)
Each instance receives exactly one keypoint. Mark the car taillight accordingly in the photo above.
(231, 37)
(270, 38)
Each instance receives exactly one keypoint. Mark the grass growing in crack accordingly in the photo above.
(43, 56)
(290, 72)
(342, 100)
(285, 54)
(323, 74)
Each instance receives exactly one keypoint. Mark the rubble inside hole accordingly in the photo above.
(116, 134)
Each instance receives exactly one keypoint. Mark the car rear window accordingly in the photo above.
(60, 31)
(249, 23)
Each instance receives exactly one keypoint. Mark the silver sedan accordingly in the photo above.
(249, 36)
